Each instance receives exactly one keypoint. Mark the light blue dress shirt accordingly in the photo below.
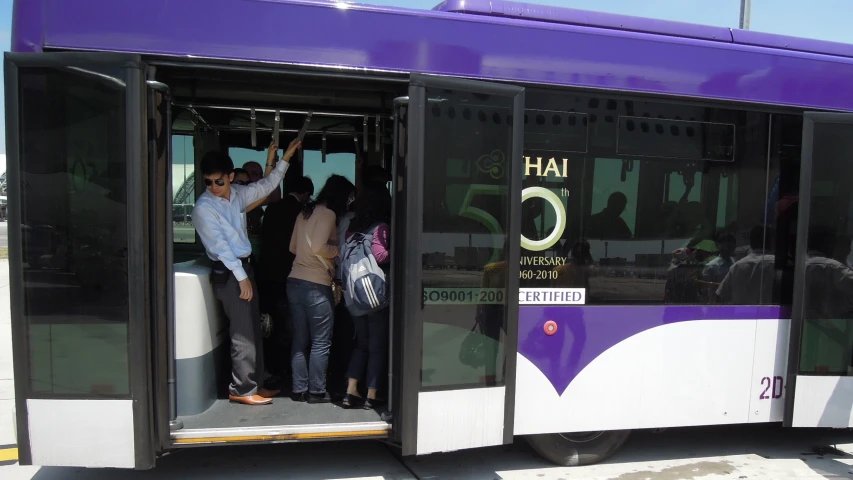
(221, 223)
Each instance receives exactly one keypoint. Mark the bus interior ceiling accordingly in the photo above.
(215, 109)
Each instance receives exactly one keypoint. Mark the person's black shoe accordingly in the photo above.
(372, 403)
(352, 401)
(318, 398)
(299, 397)
(274, 382)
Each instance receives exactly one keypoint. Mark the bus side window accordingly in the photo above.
(183, 188)
(664, 194)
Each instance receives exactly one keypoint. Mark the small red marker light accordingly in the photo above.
(550, 327)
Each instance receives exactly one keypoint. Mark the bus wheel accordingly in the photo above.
(578, 448)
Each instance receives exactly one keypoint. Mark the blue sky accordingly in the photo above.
(820, 19)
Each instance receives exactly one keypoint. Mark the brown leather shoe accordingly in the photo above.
(267, 393)
(250, 399)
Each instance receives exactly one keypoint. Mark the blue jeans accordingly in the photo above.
(312, 316)
(371, 347)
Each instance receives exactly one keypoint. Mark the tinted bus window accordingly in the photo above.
(336, 164)
(781, 210)
(465, 219)
(74, 230)
(654, 208)
(183, 188)
(827, 302)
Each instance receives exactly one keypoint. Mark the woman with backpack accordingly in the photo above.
(372, 215)
(311, 290)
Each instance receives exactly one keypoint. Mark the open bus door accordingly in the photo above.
(820, 357)
(85, 283)
(457, 300)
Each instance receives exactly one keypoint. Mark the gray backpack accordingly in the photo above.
(364, 282)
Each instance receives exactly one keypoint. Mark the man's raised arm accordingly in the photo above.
(263, 187)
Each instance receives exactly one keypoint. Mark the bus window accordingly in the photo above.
(74, 232)
(662, 198)
(465, 220)
(335, 164)
(607, 181)
(782, 201)
(726, 206)
(827, 295)
(183, 188)
(678, 182)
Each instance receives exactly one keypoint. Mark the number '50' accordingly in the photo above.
(467, 210)
(559, 227)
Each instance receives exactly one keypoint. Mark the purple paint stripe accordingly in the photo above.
(584, 333)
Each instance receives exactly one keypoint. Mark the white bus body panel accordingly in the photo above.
(81, 433)
(699, 372)
(459, 419)
(823, 402)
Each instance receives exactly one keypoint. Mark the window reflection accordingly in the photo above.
(74, 230)
(465, 220)
(659, 204)
(183, 188)
(827, 342)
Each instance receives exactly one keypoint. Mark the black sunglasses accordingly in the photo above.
(208, 182)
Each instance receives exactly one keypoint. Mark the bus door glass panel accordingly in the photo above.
(470, 166)
(78, 359)
(822, 323)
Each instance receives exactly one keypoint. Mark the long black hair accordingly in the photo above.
(334, 196)
(374, 207)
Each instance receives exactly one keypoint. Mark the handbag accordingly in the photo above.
(473, 350)
(337, 294)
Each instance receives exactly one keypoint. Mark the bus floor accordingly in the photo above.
(283, 420)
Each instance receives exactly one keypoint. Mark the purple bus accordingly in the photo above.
(671, 198)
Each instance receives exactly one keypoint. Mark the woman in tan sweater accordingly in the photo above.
(309, 288)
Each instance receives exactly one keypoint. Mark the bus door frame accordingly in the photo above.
(143, 383)
(797, 413)
(162, 239)
(408, 310)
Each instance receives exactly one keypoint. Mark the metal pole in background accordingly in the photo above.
(745, 14)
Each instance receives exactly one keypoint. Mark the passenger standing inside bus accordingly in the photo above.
(256, 173)
(275, 265)
(255, 215)
(310, 288)
(372, 215)
(220, 220)
(241, 177)
(367, 179)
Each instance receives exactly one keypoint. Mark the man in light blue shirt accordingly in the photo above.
(219, 218)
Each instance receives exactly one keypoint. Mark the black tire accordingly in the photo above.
(577, 449)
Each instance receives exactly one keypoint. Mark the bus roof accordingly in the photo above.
(571, 16)
(480, 39)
